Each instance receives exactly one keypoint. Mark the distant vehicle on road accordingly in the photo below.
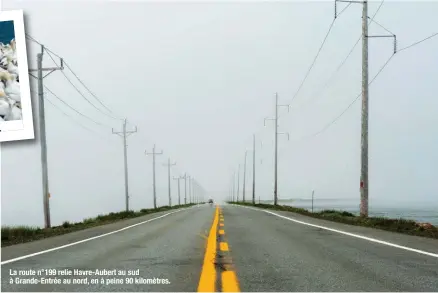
(210, 201)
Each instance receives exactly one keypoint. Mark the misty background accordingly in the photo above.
(198, 79)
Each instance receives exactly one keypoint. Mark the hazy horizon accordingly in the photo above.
(198, 79)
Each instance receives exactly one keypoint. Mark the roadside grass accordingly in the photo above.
(22, 234)
(394, 225)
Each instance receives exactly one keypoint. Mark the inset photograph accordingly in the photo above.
(16, 121)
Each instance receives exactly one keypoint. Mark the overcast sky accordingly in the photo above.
(197, 79)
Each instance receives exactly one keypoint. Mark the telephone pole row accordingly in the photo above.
(43, 138)
(232, 190)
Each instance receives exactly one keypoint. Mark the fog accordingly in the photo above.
(198, 80)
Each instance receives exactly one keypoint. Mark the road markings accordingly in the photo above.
(208, 274)
(229, 282)
(223, 246)
(349, 234)
(221, 224)
(88, 239)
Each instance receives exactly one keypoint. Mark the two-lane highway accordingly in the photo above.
(230, 249)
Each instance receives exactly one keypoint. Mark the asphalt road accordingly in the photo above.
(228, 249)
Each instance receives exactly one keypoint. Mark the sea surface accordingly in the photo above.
(418, 213)
(7, 32)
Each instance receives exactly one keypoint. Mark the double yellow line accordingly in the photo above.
(207, 282)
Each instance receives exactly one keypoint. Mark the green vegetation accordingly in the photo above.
(394, 225)
(21, 234)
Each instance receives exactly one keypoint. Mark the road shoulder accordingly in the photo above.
(14, 251)
(416, 242)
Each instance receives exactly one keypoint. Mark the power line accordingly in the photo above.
(77, 77)
(416, 43)
(319, 51)
(66, 77)
(59, 109)
(377, 11)
(50, 53)
(382, 27)
(373, 79)
(47, 49)
(74, 120)
(339, 14)
(314, 60)
(68, 105)
(318, 93)
(354, 101)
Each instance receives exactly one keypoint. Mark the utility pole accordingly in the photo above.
(276, 133)
(194, 191)
(168, 175)
(153, 170)
(42, 130)
(244, 176)
(188, 186)
(238, 182)
(197, 194)
(234, 186)
(195, 185)
(253, 170)
(364, 187)
(276, 151)
(124, 134)
(185, 187)
(179, 189)
(364, 136)
(190, 189)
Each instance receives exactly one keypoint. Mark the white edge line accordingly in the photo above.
(85, 240)
(347, 233)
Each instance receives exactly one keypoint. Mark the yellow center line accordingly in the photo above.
(221, 224)
(229, 282)
(208, 274)
(221, 232)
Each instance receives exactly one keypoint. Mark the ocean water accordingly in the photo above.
(7, 32)
(418, 213)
